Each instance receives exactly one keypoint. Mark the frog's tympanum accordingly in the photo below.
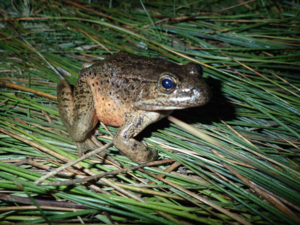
(130, 92)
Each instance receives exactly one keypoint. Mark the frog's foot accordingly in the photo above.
(96, 142)
(134, 123)
(90, 144)
(87, 145)
(135, 150)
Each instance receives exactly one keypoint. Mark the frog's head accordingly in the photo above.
(178, 88)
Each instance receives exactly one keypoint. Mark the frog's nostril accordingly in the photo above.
(194, 90)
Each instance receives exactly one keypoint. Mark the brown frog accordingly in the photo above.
(130, 92)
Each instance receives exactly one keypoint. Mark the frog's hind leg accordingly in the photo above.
(77, 112)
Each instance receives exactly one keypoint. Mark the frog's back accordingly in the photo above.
(116, 83)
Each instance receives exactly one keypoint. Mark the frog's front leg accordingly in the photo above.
(134, 123)
(77, 112)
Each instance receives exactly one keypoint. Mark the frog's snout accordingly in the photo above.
(200, 95)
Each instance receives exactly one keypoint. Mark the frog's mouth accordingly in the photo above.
(152, 107)
(173, 103)
(181, 98)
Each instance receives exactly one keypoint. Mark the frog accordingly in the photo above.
(130, 92)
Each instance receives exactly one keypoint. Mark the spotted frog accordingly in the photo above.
(129, 92)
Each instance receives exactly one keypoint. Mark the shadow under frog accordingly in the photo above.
(129, 92)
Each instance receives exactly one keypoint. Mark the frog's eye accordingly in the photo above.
(167, 83)
(200, 69)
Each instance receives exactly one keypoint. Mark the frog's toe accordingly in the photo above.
(144, 142)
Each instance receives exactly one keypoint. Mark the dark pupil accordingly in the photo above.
(167, 83)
